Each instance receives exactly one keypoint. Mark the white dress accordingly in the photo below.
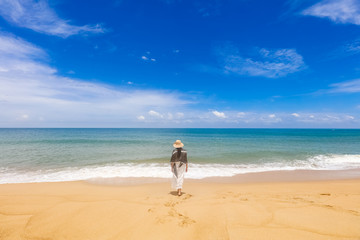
(178, 175)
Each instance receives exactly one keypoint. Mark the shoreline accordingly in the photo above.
(289, 176)
(254, 177)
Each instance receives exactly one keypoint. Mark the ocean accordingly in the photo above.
(52, 155)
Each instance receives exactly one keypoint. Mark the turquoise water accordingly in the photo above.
(33, 155)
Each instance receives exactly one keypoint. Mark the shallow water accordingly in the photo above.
(37, 155)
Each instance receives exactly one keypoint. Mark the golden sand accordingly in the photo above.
(79, 210)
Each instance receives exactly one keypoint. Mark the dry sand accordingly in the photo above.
(207, 210)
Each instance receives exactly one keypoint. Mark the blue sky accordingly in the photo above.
(178, 63)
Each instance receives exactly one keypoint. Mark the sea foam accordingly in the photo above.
(162, 170)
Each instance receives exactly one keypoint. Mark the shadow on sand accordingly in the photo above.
(174, 193)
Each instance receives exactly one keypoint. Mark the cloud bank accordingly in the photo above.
(352, 86)
(39, 17)
(32, 88)
(32, 94)
(267, 63)
(338, 11)
(219, 114)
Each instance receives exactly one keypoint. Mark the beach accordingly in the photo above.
(114, 184)
(269, 208)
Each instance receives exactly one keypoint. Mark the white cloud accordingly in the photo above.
(9, 46)
(267, 63)
(18, 55)
(32, 94)
(179, 115)
(326, 118)
(147, 58)
(257, 119)
(353, 47)
(272, 116)
(352, 86)
(155, 114)
(241, 114)
(219, 114)
(141, 118)
(29, 84)
(38, 16)
(339, 11)
(349, 48)
(164, 117)
(284, 119)
(22, 118)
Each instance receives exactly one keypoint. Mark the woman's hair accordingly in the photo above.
(178, 152)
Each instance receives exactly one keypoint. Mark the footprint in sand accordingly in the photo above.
(172, 213)
(186, 196)
(171, 203)
(186, 221)
(229, 195)
(183, 221)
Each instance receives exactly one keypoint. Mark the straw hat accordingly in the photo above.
(178, 144)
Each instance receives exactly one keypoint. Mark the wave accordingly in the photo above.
(162, 170)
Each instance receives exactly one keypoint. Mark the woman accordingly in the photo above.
(179, 165)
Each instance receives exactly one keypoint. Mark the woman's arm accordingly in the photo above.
(172, 166)
(186, 167)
